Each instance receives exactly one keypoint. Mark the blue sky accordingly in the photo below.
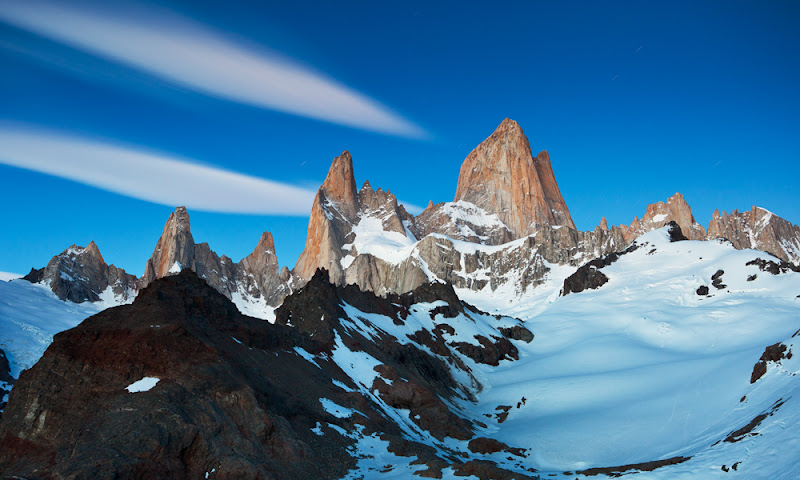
(634, 101)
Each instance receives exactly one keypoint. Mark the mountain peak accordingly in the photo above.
(266, 245)
(340, 184)
(92, 250)
(509, 125)
(174, 247)
(502, 176)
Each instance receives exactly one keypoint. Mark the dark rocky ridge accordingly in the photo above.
(6, 380)
(233, 395)
(218, 405)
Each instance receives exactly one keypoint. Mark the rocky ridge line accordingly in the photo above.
(528, 220)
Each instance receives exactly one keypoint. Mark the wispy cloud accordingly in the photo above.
(194, 57)
(150, 176)
(411, 208)
(8, 276)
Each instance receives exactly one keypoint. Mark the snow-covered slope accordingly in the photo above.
(644, 368)
(650, 371)
(30, 314)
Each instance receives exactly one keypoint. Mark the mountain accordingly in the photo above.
(381, 360)
(657, 372)
(343, 220)
(502, 177)
(660, 214)
(80, 274)
(497, 234)
(180, 383)
(759, 229)
(254, 284)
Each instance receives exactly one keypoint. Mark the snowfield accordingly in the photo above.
(30, 314)
(644, 368)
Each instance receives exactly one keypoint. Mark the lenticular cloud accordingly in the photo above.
(196, 58)
(150, 176)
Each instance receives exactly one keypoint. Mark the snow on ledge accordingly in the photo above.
(142, 385)
(176, 268)
(335, 409)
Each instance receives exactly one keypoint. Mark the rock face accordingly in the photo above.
(222, 397)
(174, 249)
(80, 274)
(336, 215)
(255, 279)
(502, 177)
(759, 229)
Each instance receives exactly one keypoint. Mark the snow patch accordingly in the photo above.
(300, 351)
(335, 409)
(142, 385)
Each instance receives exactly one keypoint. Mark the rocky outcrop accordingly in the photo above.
(773, 353)
(255, 279)
(502, 177)
(759, 229)
(6, 380)
(79, 274)
(659, 214)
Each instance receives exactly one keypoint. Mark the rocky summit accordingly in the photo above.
(502, 176)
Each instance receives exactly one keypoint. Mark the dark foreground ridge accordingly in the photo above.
(236, 395)
(642, 467)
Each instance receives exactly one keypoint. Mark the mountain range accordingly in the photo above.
(485, 337)
(507, 207)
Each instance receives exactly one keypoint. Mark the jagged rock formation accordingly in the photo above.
(255, 279)
(759, 229)
(255, 283)
(501, 176)
(80, 274)
(336, 216)
(660, 214)
(174, 250)
(222, 397)
(508, 208)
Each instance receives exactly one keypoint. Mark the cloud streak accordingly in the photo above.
(150, 176)
(196, 58)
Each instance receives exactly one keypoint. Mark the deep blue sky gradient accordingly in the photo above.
(634, 101)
